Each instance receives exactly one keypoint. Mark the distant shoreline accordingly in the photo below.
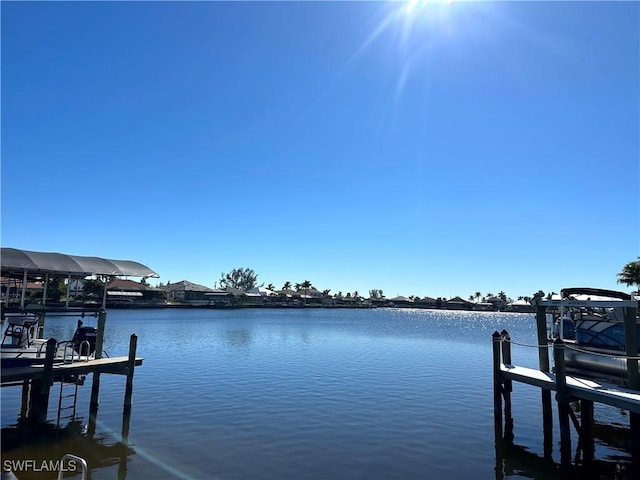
(149, 306)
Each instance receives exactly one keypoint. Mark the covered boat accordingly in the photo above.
(591, 322)
(21, 345)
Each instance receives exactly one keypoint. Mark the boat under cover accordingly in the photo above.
(21, 345)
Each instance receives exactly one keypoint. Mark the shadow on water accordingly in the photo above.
(517, 461)
(34, 451)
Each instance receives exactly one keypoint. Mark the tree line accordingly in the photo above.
(246, 279)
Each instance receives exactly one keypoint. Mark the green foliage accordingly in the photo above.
(630, 274)
(93, 286)
(240, 278)
(376, 293)
(56, 289)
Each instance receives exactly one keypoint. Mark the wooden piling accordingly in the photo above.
(497, 389)
(95, 381)
(586, 430)
(102, 320)
(24, 406)
(507, 388)
(40, 388)
(543, 358)
(562, 397)
(128, 392)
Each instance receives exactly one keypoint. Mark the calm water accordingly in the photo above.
(306, 394)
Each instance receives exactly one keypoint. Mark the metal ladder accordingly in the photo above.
(62, 396)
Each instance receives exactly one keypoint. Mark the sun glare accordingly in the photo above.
(418, 27)
(416, 7)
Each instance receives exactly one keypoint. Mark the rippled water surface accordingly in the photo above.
(305, 394)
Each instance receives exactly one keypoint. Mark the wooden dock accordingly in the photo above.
(584, 387)
(59, 371)
(578, 388)
(36, 380)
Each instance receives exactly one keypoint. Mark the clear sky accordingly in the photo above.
(423, 149)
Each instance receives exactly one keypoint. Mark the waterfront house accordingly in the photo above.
(401, 301)
(521, 306)
(122, 292)
(497, 302)
(187, 292)
(458, 303)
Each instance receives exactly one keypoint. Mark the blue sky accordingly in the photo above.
(437, 150)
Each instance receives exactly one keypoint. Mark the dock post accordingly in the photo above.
(633, 377)
(497, 389)
(586, 430)
(102, 320)
(40, 388)
(507, 388)
(562, 397)
(24, 407)
(95, 381)
(128, 392)
(543, 358)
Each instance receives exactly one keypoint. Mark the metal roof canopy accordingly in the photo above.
(15, 262)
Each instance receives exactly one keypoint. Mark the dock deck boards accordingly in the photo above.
(115, 365)
(581, 388)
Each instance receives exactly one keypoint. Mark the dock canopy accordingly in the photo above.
(16, 262)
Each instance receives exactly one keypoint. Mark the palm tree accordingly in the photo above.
(630, 274)
(271, 287)
(306, 284)
(287, 285)
(477, 295)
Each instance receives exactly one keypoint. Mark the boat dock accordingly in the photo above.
(576, 387)
(61, 371)
(583, 386)
(37, 380)
(22, 267)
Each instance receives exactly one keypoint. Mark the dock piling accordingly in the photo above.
(562, 397)
(24, 405)
(128, 392)
(40, 388)
(586, 430)
(497, 388)
(543, 359)
(507, 388)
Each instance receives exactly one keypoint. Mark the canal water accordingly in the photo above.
(304, 394)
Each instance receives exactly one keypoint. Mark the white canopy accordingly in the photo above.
(16, 262)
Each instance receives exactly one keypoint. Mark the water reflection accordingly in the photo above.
(514, 460)
(34, 452)
(237, 338)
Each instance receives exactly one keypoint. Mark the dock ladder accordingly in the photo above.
(70, 400)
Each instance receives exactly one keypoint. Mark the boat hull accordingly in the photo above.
(595, 362)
